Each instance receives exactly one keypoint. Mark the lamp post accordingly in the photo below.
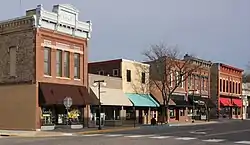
(194, 90)
(98, 83)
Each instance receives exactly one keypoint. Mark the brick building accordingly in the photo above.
(43, 60)
(226, 90)
(198, 87)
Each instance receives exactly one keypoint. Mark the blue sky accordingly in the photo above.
(217, 30)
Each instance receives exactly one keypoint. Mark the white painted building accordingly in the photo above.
(245, 96)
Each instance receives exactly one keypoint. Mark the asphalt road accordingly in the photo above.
(227, 133)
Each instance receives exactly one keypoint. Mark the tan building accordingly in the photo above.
(135, 78)
(113, 100)
(226, 90)
(43, 60)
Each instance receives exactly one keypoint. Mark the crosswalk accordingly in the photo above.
(161, 137)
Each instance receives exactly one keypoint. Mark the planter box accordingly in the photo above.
(79, 126)
(50, 127)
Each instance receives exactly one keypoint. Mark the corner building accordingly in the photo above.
(43, 60)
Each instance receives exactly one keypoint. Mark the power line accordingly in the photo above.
(20, 6)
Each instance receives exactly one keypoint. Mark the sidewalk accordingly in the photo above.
(64, 132)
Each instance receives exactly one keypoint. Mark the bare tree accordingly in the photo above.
(168, 71)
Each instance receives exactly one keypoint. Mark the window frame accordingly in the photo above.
(48, 62)
(77, 65)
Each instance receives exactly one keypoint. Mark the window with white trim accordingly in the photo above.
(47, 61)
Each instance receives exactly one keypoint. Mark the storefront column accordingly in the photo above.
(137, 115)
(86, 116)
(149, 116)
(122, 114)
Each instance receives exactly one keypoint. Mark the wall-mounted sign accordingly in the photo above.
(67, 17)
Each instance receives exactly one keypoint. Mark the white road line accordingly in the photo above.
(92, 135)
(137, 136)
(67, 134)
(160, 137)
(214, 140)
(185, 138)
(242, 142)
(113, 135)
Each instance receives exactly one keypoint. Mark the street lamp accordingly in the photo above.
(98, 83)
(194, 90)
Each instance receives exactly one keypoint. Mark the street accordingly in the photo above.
(226, 133)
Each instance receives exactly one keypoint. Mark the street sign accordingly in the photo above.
(67, 102)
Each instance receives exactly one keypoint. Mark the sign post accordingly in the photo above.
(67, 103)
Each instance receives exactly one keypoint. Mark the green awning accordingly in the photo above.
(142, 100)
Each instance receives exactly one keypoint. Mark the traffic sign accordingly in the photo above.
(67, 102)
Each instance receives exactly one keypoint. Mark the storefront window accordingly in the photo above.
(112, 113)
(182, 112)
(74, 116)
(130, 114)
(171, 113)
(47, 117)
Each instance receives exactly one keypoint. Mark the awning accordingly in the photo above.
(201, 101)
(180, 101)
(225, 101)
(112, 97)
(55, 93)
(142, 100)
(237, 102)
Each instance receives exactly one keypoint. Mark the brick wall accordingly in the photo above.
(19, 34)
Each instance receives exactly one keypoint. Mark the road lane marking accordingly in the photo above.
(185, 138)
(160, 137)
(195, 132)
(113, 135)
(229, 132)
(90, 135)
(137, 136)
(242, 142)
(214, 140)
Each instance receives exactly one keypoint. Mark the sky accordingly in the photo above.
(216, 30)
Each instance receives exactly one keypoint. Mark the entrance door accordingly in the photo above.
(140, 116)
(177, 114)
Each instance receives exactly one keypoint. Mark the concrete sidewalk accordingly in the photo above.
(63, 132)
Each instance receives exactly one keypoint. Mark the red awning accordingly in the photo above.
(226, 101)
(237, 102)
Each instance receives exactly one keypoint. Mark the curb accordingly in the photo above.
(108, 130)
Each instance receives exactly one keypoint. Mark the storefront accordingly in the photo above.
(144, 108)
(113, 106)
(225, 110)
(180, 109)
(202, 106)
(53, 112)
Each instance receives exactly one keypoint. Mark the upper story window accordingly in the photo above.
(143, 77)
(66, 64)
(47, 61)
(220, 85)
(202, 83)
(76, 65)
(224, 86)
(239, 88)
(227, 85)
(59, 63)
(115, 72)
(177, 77)
(236, 87)
(233, 91)
(128, 75)
(13, 59)
(171, 79)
